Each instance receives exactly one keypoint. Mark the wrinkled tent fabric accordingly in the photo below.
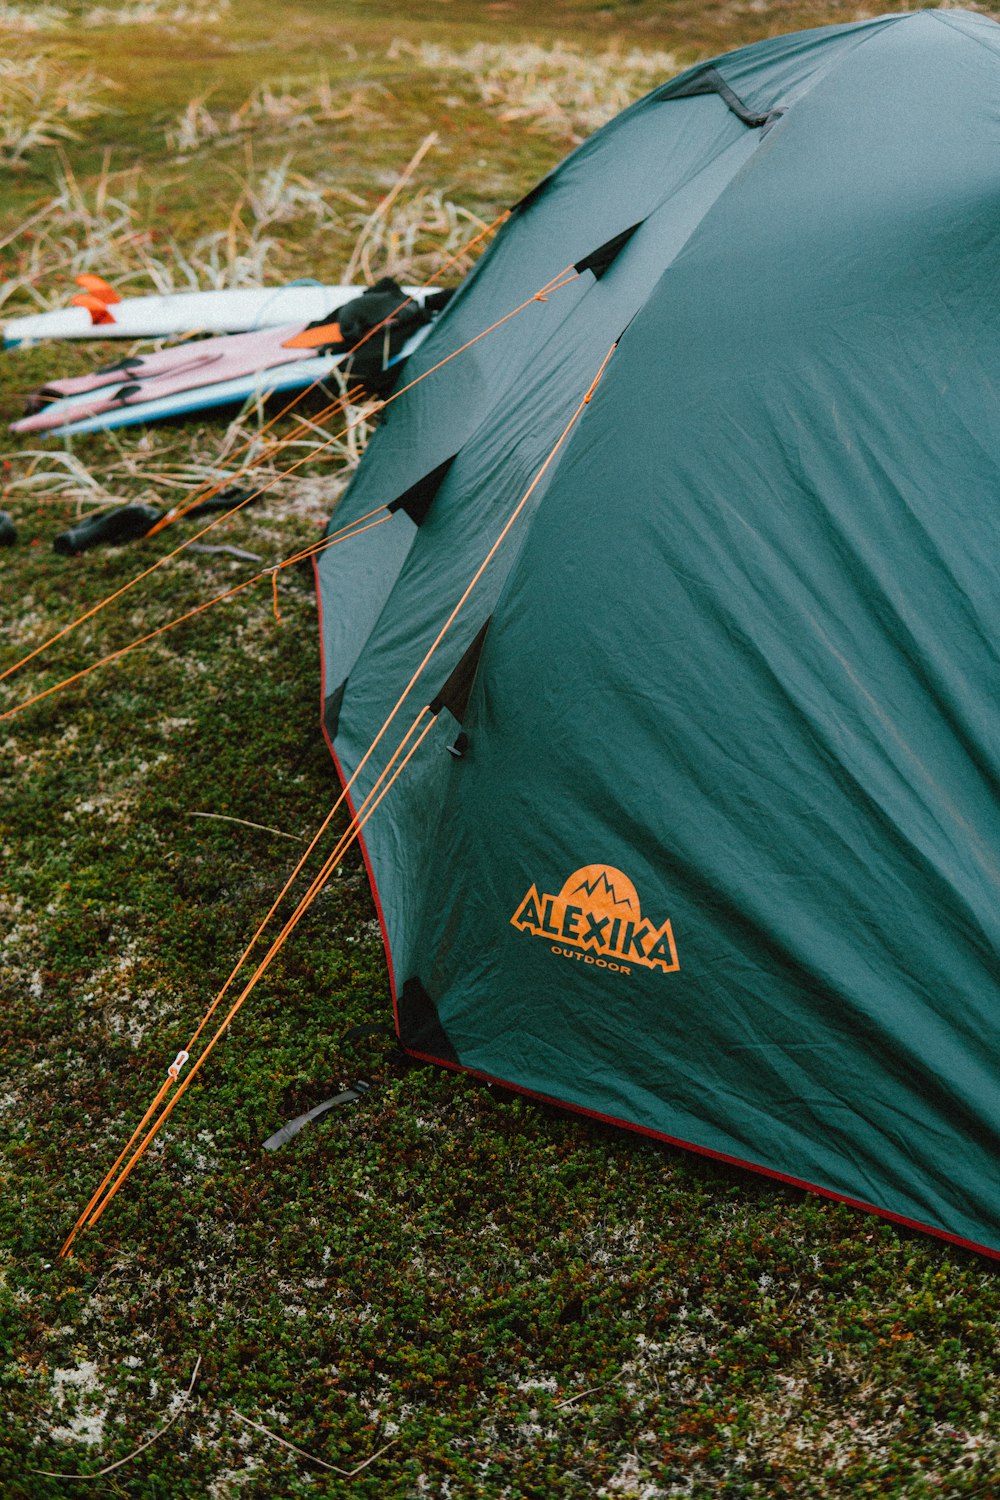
(721, 859)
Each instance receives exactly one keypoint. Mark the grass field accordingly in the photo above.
(481, 1296)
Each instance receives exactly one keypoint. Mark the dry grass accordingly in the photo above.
(170, 13)
(406, 1270)
(41, 100)
(285, 108)
(38, 18)
(559, 90)
(108, 227)
(410, 233)
(158, 13)
(412, 240)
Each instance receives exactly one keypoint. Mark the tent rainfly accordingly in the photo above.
(716, 855)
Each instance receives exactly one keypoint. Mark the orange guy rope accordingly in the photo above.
(199, 609)
(542, 295)
(93, 1213)
(260, 971)
(105, 1193)
(174, 1070)
(490, 554)
(209, 491)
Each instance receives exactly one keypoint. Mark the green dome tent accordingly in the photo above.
(716, 855)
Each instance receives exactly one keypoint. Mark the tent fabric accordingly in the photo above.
(720, 858)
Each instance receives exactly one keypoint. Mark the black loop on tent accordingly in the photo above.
(710, 81)
(532, 196)
(454, 696)
(600, 259)
(705, 80)
(416, 501)
(420, 1028)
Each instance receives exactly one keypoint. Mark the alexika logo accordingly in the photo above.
(596, 919)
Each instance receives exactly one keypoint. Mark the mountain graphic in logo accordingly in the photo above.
(597, 918)
(622, 894)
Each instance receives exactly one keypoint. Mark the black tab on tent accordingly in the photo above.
(436, 302)
(711, 81)
(331, 709)
(454, 696)
(600, 259)
(416, 501)
(420, 1028)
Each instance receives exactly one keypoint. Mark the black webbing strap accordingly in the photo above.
(709, 80)
(699, 80)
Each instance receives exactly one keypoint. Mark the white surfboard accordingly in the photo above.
(180, 313)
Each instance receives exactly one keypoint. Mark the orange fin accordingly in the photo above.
(99, 288)
(97, 309)
(312, 338)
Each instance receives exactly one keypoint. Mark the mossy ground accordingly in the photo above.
(523, 1303)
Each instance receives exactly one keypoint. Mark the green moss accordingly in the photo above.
(527, 1304)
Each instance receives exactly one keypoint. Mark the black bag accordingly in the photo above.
(373, 329)
(112, 527)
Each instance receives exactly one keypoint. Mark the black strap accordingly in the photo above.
(281, 1137)
(709, 80)
(600, 259)
(700, 80)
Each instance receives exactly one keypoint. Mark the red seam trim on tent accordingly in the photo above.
(733, 1161)
(359, 837)
(579, 1109)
